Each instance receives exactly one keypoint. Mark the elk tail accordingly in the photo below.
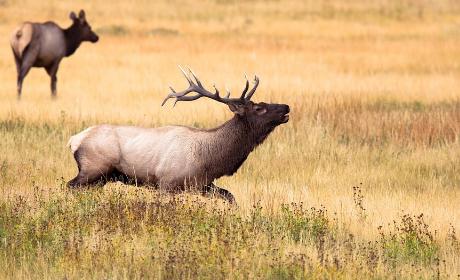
(76, 140)
(21, 38)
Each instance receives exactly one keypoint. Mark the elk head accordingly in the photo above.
(84, 29)
(263, 117)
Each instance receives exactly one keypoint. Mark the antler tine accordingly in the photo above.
(253, 90)
(217, 91)
(186, 76)
(181, 96)
(246, 87)
(175, 94)
(187, 98)
(166, 99)
(228, 93)
(195, 77)
(171, 95)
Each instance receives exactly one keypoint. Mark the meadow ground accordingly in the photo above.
(363, 182)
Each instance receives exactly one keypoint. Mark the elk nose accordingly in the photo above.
(93, 37)
(286, 108)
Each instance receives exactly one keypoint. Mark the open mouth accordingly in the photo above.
(285, 119)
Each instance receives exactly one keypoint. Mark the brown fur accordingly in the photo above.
(45, 44)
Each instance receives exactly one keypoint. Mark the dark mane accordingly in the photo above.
(72, 38)
(230, 145)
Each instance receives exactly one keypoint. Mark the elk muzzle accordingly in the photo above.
(93, 38)
(284, 112)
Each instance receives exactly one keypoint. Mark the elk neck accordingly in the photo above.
(226, 147)
(72, 39)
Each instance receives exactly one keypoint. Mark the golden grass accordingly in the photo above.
(373, 85)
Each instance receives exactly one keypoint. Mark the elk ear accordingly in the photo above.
(81, 15)
(73, 16)
(237, 109)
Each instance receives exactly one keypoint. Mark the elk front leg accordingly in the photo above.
(52, 71)
(212, 189)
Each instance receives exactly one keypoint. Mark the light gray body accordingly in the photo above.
(170, 157)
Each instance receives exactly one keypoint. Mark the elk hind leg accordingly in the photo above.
(89, 174)
(29, 56)
(17, 61)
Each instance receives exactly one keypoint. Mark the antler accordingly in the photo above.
(196, 86)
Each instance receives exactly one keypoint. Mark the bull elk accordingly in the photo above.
(177, 157)
(46, 44)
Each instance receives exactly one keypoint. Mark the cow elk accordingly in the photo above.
(46, 44)
(176, 158)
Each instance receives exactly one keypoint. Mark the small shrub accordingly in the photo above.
(304, 224)
(358, 200)
(411, 241)
(452, 239)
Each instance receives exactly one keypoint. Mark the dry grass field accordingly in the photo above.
(363, 182)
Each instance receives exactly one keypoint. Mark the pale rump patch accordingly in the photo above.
(21, 38)
(75, 141)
